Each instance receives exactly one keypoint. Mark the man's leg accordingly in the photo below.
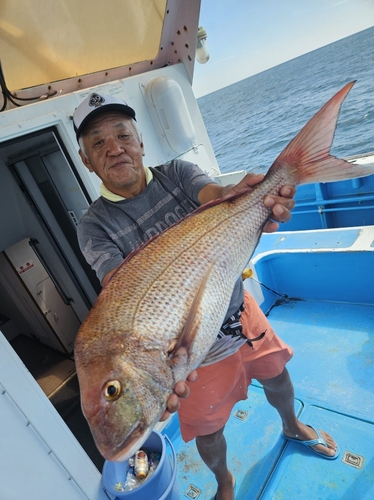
(212, 449)
(280, 394)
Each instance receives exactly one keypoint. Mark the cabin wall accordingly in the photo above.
(58, 112)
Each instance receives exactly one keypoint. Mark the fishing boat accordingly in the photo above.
(313, 278)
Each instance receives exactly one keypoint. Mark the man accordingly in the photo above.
(137, 202)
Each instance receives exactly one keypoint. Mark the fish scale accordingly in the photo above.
(186, 272)
(174, 292)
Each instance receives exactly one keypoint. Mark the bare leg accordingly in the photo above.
(280, 394)
(212, 449)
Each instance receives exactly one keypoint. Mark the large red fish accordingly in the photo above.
(175, 291)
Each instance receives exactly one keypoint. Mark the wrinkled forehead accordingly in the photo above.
(107, 121)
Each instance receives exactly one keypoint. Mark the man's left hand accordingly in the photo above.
(281, 205)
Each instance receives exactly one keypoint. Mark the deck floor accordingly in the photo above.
(333, 374)
(333, 362)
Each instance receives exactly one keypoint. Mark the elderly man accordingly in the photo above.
(138, 202)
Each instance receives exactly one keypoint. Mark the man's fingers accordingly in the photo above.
(192, 376)
(288, 191)
(253, 179)
(281, 208)
(281, 213)
(181, 389)
(279, 201)
(270, 227)
(173, 403)
(165, 416)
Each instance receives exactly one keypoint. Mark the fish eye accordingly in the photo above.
(112, 390)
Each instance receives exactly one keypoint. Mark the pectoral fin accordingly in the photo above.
(181, 352)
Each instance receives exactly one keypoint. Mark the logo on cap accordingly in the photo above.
(96, 100)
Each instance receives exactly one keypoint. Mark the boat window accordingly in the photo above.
(43, 41)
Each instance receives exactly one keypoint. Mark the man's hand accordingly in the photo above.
(281, 205)
(181, 390)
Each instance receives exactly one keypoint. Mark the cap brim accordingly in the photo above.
(122, 108)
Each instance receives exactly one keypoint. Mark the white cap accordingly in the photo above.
(95, 104)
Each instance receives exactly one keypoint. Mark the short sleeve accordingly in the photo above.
(189, 177)
(99, 251)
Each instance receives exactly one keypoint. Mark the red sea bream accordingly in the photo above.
(175, 290)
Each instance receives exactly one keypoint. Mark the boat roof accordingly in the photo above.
(60, 47)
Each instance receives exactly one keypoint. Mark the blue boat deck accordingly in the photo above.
(331, 329)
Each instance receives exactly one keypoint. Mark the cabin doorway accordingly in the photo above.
(46, 287)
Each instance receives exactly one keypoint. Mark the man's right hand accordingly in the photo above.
(181, 391)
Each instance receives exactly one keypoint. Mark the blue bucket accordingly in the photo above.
(160, 486)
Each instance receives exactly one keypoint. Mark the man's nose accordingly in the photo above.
(114, 147)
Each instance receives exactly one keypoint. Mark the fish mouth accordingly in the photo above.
(129, 446)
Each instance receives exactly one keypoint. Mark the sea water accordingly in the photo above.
(251, 121)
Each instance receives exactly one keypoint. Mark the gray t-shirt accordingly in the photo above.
(109, 231)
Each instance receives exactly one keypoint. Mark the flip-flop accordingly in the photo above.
(312, 442)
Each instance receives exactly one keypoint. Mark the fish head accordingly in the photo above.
(121, 404)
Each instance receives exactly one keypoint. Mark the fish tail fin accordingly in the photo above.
(309, 151)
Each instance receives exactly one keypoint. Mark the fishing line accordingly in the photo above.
(248, 273)
(284, 295)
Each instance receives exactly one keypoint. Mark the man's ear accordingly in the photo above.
(85, 160)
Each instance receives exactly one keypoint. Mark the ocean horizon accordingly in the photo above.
(251, 121)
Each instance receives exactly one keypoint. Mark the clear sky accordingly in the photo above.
(246, 37)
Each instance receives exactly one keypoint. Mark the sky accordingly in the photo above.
(246, 37)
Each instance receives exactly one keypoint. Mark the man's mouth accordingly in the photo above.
(119, 164)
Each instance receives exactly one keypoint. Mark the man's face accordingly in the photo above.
(113, 150)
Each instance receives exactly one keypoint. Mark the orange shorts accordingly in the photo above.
(221, 385)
